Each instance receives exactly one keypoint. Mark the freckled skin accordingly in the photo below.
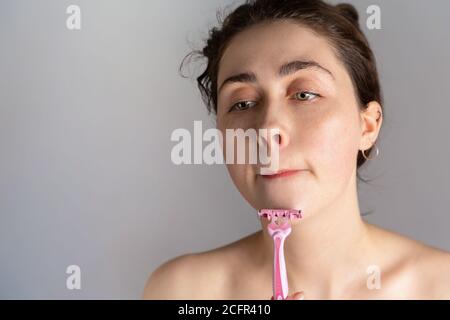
(329, 251)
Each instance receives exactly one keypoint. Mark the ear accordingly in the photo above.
(371, 120)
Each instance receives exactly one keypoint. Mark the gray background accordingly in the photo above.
(85, 124)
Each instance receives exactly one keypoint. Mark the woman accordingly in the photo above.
(305, 68)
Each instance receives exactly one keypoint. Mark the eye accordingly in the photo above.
(306, 95)
(242, 105)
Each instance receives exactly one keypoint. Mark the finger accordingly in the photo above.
(297, 296)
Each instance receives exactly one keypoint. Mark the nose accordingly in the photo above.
(273, 122)
(275, 134)
(277, 138)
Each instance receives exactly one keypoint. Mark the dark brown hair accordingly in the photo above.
(339, 24)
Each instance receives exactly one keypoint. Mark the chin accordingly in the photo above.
(281, 203)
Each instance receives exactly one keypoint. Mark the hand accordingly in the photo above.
(299, 295)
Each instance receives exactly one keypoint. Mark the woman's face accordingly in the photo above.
(314, 108)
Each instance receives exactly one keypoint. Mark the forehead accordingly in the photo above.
(263, 47)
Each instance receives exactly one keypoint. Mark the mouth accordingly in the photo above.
(280, 174)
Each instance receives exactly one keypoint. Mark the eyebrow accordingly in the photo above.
(285, 70)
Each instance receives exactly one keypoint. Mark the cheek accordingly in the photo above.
(334, 147)
(237, 174)
(242, 179)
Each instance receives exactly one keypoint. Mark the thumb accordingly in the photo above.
(300, 295)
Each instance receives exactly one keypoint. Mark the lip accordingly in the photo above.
(281, 174)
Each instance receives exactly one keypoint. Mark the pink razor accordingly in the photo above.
(279, 229)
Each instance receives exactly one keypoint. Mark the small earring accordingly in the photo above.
(377, 152)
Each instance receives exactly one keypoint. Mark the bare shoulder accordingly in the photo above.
(433, 266)
(170, 280)
(423, 267)
(194, 276)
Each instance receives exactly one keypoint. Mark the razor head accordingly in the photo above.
(280, 214)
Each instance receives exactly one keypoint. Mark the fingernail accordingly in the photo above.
(300, 296)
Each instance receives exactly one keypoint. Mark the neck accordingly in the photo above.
(324, 247)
